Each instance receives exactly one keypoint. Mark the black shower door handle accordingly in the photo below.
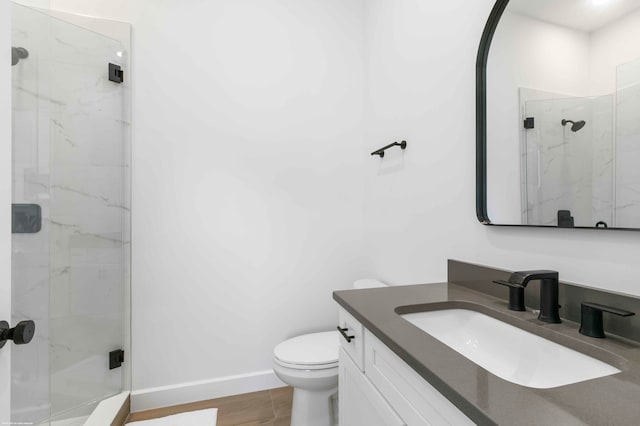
(21, 334)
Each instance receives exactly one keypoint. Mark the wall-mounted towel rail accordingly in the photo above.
(381, 151)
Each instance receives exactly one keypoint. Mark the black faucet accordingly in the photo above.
(548, 293)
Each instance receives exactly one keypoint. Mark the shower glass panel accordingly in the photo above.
(566, 169)
(628, 145)
(30, 180)
(71, 158)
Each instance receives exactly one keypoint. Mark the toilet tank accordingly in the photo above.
(368, 283)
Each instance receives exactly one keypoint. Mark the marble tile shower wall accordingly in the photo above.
(89, 210)
(82, 252)
(602, 160)
(549, 167)
(30, 252)
(627, 206)
(597, 166)
(564, 168)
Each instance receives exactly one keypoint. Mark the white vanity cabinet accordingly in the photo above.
(360, 402)
(384, 390)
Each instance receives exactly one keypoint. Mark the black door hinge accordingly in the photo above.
(115, 73)
(529, 123)
(116, 358)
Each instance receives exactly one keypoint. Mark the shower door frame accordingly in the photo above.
(5, 200)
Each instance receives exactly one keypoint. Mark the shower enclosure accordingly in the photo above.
(580, 155)
(627, 176)
(71, 216)
(569, 166)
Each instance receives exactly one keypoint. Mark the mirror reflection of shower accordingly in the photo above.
(18, 53)
(575, 125)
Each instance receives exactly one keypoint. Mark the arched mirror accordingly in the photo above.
(558, 114)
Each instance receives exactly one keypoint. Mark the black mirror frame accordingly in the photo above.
(481, 110)
(481, 124)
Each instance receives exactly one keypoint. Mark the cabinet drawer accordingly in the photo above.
(413, 398)
(354, 346)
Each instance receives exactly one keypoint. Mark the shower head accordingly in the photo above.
(18, 53)
(575, 125)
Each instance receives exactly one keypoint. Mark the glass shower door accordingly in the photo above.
(71, 159)
(569, 168)
(88, 216)
(627, 206)
(30, 187)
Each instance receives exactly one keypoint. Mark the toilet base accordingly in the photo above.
(314, 408)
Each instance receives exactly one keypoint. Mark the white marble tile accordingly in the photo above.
(60, 287)
(88, 129)
(79, 191)
(79, 359)
(569, 170)
(96, 290)
(30, 378)
(627, 203)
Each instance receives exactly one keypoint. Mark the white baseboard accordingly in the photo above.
(184, 393)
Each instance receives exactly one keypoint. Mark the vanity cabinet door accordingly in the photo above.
(353, 344)
(360, 403)
(419, 403)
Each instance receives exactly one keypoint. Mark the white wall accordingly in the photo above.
(211, 304)
(247, 179)
(247, 183)
(428, 213)
(42, 4)
(525, 53)
(117, 10)
(5, 200)
(613, 45)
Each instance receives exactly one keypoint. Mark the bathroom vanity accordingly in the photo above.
(394, 373)
(378, 388)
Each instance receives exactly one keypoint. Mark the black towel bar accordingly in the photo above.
(381, 151)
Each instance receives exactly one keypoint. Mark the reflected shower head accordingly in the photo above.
(575, 125)
(18, 53)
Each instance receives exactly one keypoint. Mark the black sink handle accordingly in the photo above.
(591, 323)
(516, 295)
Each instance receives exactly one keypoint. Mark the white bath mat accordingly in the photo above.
(194, 418)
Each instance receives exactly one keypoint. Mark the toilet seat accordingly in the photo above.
(317, 351)
(305, 367)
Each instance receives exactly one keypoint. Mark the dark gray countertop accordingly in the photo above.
(482, 396)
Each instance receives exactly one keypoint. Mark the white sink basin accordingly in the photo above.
(509, 352)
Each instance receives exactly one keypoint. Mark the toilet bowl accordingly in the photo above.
(309, 363)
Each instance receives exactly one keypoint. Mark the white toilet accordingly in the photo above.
(309, 363)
